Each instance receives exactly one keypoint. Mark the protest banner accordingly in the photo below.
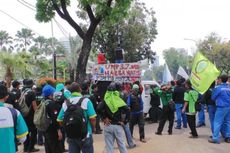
(123, 72)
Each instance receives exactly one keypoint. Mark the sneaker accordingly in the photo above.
(213, 141)
(158, 133)
(177, 127)
(143, 140)
(227, 140)
(33, 150)
(193, 136)
(170, 133)
(131, 147)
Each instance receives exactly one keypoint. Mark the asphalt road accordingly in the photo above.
(179, 142)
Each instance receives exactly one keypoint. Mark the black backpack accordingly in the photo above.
(75, 123)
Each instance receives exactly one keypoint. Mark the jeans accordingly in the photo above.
(167, 114)
(211, 114)
(225, 128)
(201, 116)
(112, 132)
(128, 135)
(222, 117)
(78, 145)
(180, 115)
(192, 124)
(137, 119)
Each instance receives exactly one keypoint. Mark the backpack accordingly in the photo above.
(24, 109)
(74, 122)
(41, 118)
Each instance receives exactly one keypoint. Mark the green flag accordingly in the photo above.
(204, 72)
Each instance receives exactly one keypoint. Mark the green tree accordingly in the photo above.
(11, 66)
(24, 39)
(217, 51)
(96, 10)
(177, 57)
(39, 46)
(138, 31)
(5, 39)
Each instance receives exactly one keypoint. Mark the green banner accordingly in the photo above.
(204, 72)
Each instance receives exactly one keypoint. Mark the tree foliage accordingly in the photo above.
(177, 57)
(96, 10)
(138, 31)
(24, 39)
(217, 51)
(5, 41)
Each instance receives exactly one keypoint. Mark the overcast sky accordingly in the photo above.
(177, 20)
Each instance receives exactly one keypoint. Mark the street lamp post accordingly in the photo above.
(54, 54)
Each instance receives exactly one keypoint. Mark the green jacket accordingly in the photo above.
(166, 96)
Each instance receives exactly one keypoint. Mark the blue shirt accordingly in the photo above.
(7, 137)
(221, 95)
(86, 105)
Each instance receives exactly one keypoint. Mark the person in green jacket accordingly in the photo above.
(190, 98)
(165, 94)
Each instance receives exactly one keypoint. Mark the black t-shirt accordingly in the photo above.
(178, 94)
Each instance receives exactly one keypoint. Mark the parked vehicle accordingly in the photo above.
(146, 95)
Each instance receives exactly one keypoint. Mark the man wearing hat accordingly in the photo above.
(135, 104)
(12, 125)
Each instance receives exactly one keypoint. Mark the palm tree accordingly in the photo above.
(24, 37)
(5, 39)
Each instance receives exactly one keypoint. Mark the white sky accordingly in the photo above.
(177, 19)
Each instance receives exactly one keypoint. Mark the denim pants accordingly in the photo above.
(201, 115)
(128, 135)
(78, 145)
(211, 114)
(180, 115)
(112, 132)
(222, 117)
(225, 128)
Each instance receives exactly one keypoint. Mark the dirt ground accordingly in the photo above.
(176, 143)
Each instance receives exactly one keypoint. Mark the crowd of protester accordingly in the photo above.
(120, 108)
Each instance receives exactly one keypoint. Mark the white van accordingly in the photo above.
(146, 94)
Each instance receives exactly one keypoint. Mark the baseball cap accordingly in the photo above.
(47, 90)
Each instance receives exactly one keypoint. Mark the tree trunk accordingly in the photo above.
(83, 59)
(8, 76)
(71, 74)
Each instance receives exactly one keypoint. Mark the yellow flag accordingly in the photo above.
(204, 72)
